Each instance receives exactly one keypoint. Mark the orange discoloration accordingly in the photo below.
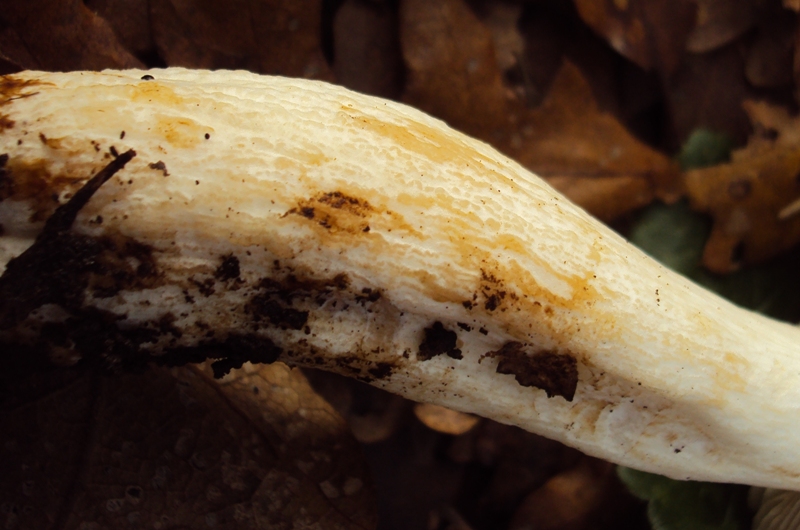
(181, 132)
(418, 138)
(433, 287)
(154, 92)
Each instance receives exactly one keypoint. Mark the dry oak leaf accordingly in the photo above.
(651, 33)
(753, 199)
(444, 420)
(707, 91)
(59, 35)
(276, 37)
(586, 496)
(452, 68)
(131, 22)
(176, 449)
(585, 153)
(588, 155)
(366, 49)
(719, 22)
(771, 50)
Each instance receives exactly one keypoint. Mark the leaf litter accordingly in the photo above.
(596, 97)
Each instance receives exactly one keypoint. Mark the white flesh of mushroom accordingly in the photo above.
(350, 233)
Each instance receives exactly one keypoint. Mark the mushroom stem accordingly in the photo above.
(279, 219)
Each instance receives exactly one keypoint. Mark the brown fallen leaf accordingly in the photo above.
(452, 69)
(651, 33)
(444, 420)
(278, 37)
(174, 448)
(588, 155)
(581, 498)
(130, 20)
(707, 92)
(769, 57)
(366, 49)
(373, 415)
(751, 198)
(719, 22)
(60, 35)
(584, 152)
(546, 38)
(502, 20)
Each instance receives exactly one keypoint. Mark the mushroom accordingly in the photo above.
(268, 219)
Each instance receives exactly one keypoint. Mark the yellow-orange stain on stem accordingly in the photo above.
(154, 92)
(182, 133)
(428, 143)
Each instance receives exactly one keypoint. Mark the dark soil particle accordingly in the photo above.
(275, 297)
(269, 306)
(368, 295)
(492, 301)
(159, 166)
(437, 341)
(228, 269)
(555, 373)
(206, 287)
(339, 200)
(381, 370)
(234, 351)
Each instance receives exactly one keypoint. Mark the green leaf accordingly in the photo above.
(705, 148)
(687, 505)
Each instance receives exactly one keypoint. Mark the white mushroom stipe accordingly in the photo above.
(269, 218)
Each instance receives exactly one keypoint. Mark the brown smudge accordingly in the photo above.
(52, 143)
(206, 287)
(278, 313)
(437, 341)
(556, 374)
(59, 266)
(11, 89)
(275, 297)
(32, 182)
(122, 264)
(336, 212)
